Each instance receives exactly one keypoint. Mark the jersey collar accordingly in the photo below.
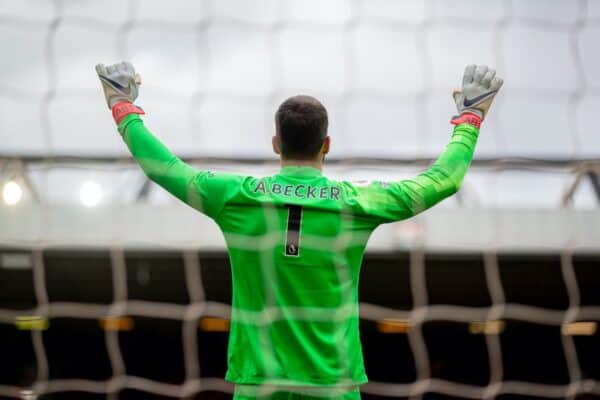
(300, 171)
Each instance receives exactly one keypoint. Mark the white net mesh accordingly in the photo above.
(214, 71)
(383, 67)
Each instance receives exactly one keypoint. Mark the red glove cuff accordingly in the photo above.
(467, 118)
(123, 109)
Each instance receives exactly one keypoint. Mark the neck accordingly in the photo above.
(318, 164)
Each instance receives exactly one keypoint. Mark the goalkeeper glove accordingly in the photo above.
(120, 84)
(480, 86)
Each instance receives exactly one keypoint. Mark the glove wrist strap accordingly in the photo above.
(467, 118)
(123, 109)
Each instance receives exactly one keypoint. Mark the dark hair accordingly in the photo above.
(301, 125)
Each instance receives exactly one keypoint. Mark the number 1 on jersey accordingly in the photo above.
(292, 238)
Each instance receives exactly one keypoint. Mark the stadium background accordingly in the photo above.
(111, 289)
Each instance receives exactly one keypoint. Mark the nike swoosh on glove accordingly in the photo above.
(119, 82)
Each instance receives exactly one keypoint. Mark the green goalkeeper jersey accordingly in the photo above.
(296, 241)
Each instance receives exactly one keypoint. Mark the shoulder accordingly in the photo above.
(217, 177)
(356, 186)
(224, 183)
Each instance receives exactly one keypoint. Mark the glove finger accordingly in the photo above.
(120, 68)
(456, 95)
(487, 78)
(496, 83)
(111, 69)
(101, 69)
(480, 73)
(128, 67)
(469, 72)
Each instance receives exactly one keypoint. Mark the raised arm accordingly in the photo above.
(203, 190)
(391, 201)
(158, 163)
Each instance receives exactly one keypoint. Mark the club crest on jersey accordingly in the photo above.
(362, 183)
(300, 191)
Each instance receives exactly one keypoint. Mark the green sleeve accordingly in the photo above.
(203, 190)
(393, 201)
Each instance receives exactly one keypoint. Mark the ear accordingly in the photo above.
(326, 144)
(276, 145)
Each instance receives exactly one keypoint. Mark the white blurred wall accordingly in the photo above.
(214, 72)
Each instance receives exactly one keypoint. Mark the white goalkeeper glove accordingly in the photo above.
(120, 84)
(479, 87)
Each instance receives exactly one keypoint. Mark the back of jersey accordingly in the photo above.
(295, 242)
(295, 246)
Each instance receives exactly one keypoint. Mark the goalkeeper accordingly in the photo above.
(296, 239)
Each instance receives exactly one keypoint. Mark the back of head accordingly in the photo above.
(301, 125)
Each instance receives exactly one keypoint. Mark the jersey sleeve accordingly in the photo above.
(203, 190)
(394, 201)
